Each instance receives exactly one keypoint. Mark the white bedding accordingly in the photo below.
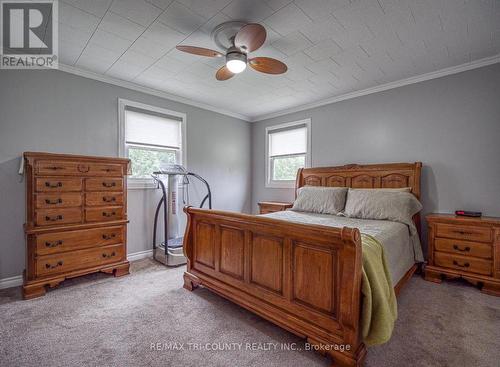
(401, 249)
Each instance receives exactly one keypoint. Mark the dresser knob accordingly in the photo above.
(109, 184)
(53, 244)
(464, 265)
(48, 266)
(53, 185)
(108, 199)
(54, 218)
(108, 214)
(53, 202)
(465, 249)
(108, 236)
(107, 256)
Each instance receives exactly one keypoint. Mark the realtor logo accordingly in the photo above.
(29, 34)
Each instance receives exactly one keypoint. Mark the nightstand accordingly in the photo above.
(273, 206)
(463, 247)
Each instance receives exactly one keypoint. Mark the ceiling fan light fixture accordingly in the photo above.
(236, 62)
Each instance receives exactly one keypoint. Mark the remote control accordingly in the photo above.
(466, 213)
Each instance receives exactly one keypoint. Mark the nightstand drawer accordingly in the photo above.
(463, 263)
(266, 207)
(469, 233)
(465, 248)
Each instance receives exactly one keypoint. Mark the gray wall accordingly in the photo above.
(451, 124)
(58, 112)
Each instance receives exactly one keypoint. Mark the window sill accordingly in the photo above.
(140, 184)
(280, 185)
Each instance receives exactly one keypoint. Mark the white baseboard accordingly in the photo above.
(11, 282)
(139, 255)
(17, 280)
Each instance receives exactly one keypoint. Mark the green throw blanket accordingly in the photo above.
(380, 309)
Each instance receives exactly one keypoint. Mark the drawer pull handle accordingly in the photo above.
(53, 202)
(464, 233)
(107, 256)
(83, 168)
(48, 266)
(53, 244)
(53, 185)
(108, 214)
(108, 199)
(108, 236)
(464, 265)
(465, 249)
(109, 184)
(54, 218)
(55, 168)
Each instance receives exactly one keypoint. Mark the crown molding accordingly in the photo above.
(379, 88)
(383, 87)
(147, 90)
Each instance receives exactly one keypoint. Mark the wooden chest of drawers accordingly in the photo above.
(266, 207)
(76, 218)
(463, 247)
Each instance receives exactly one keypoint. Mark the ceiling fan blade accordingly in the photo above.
(199, 51)
(250, 37)
(267, 65)
(223, 73)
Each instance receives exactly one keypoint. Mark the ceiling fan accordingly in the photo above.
(248, 38)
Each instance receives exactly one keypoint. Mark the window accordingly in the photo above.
(150, 137)
(288, 148)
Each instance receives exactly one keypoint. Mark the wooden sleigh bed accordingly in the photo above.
(304, 278)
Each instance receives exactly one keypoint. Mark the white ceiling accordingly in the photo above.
(331, 47)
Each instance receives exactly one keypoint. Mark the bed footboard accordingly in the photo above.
(304, 278)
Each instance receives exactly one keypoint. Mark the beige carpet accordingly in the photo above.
(104, 321)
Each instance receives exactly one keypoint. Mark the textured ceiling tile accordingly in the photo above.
(318, 8)
(120, 26)
(181, 18)
(323, 50)
(110, 41)
(95, 7)
(205, 8)
(163, 35)
(321, 29)
(97, 58)
(139, 11)
(76, 18)
(277, 4)
(288, 19)
(292, 43)
(137, 59)
(250, 11)
(124, 71)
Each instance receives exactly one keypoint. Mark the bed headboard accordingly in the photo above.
(387, 175)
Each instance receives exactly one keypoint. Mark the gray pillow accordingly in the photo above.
(396, 206)
(319, 199)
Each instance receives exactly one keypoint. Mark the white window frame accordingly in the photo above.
(147, 183)
(291, 183)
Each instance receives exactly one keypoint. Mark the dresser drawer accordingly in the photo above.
(107, 169)
(59, 200)
(465, 248)
(50, 217)
(463, 263)
(70, 168)
(103, 198)
(76, 260)
(104, 184)
(469, 233)
(103, 214)
(51, 243)
(52, 184)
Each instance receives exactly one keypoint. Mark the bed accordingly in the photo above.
(263, 263)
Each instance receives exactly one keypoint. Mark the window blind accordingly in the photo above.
(150, 129)
(288, 141)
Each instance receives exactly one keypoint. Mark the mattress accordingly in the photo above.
(401, 249)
